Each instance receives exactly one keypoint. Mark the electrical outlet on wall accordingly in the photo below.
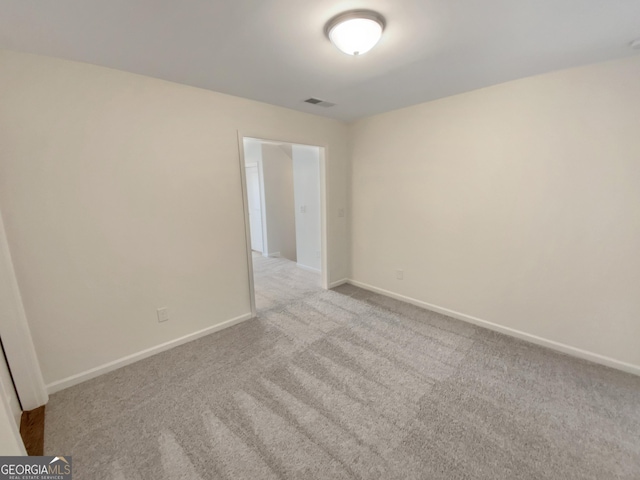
(399, 274)
(163, 314)
(341, 212)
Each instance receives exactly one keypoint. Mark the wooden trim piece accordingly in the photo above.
(32, 431)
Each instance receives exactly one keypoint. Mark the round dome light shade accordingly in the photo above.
(355, 33)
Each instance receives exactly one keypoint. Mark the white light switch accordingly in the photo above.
(341, 212)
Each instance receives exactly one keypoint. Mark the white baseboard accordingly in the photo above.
(273, 255)
(309, 269)
(337, 283)
(560, 347)
(129, 359)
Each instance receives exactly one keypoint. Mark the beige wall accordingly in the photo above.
(517, 204)
(121, 193)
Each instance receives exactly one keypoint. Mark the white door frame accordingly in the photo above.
(323, 210)
(12, 443)
(10, 391)
(16, 337)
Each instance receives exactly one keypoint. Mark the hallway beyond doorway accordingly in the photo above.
(279, 281)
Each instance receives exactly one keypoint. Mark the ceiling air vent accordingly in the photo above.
(318, 102)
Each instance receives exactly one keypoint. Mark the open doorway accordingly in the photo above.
(285, 212)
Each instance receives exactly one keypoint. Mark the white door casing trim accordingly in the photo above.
(14, 433)
(16, 336)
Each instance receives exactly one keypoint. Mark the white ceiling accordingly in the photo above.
(275, 50)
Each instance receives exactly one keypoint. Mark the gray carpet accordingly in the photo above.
(349, 384)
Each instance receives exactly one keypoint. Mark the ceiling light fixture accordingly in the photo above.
(355, 32)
